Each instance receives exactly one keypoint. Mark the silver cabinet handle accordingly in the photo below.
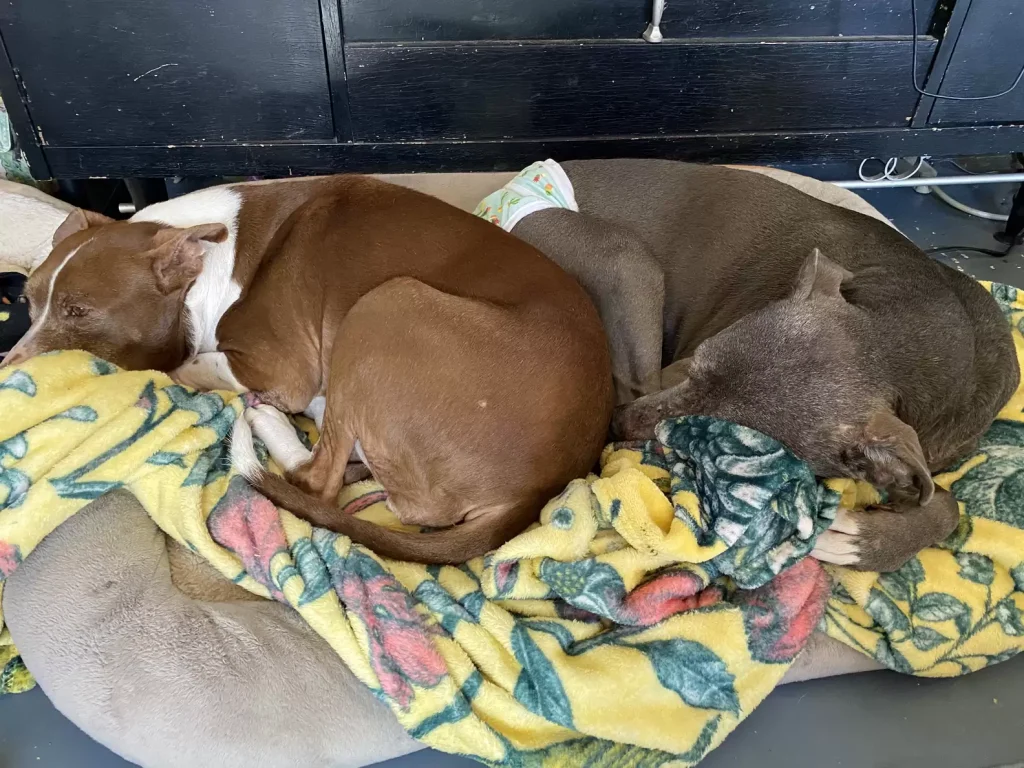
(653, 32)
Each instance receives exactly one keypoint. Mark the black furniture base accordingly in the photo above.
(146, 88)
(448, 156)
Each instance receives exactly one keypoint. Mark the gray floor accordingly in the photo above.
(874, 719)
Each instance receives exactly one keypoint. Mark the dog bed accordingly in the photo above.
(30, 217)
(585, 591)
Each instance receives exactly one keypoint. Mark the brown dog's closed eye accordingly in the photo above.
(74, 310)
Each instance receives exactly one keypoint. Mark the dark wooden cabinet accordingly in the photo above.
(454, 20)
(562, 90)
(146, 88)
(987, 56)
(149, 72)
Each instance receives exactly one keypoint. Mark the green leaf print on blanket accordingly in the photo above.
(885, 613)
(19, 381)
(1005, 296)
(81, 413)
(15, 447)
(994, 489)
(694, 672)
(210, 408)
(538, 688)
(976, 568)
(17, 484)
(754, 495)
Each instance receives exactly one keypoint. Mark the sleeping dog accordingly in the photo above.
(466, 369)
(819, 326)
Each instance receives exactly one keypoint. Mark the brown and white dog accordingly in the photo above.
(467, 370)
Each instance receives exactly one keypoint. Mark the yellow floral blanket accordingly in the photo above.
(959, 607)
(646, 615)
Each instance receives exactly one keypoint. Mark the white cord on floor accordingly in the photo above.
(889, 169)
(939, 193)
(889, 174)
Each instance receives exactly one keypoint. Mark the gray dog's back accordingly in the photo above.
(708, 245)
(730, 241)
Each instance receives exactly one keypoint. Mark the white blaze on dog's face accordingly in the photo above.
(117, 290)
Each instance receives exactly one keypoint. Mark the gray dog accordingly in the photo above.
(817, 325)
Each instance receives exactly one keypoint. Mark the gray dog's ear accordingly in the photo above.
(819, 276)
(887, 453)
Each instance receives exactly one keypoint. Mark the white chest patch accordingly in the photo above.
(208, 371)
(215, 290)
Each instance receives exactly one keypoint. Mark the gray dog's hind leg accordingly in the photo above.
(883, 538)
(623, 280)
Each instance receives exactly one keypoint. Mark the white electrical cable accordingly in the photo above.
(889, 175)
(934, 181)
(889, 170)
(939, 193)
(962, 207)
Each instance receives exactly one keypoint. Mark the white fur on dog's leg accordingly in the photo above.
(837, 548)
(358, 450)
(275, 429)
(207, 371)
(846, 522)
(315, 411)
(243, 453)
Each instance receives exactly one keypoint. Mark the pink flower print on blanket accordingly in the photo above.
(780, 616)
(248, 524)
(401, 643)
(10, 557)
(668, 593)
(597, 588)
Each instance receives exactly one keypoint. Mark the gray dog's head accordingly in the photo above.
(803, 371)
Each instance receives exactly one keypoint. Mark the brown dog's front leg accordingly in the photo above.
(883, 538)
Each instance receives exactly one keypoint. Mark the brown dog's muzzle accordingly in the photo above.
(22, 351)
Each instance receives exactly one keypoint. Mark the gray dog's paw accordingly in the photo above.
(883, 538)
(635, 422)
(854, 541)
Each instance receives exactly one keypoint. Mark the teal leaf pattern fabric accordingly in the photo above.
(694, 672)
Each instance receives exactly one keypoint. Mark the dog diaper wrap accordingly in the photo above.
(541, 185)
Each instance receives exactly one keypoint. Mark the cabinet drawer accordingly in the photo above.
(987, 57)
(107, 72)
(426, 20)
(538, 90)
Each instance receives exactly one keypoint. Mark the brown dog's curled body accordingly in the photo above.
(468, 370)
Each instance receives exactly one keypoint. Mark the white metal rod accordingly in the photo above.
(935, 181)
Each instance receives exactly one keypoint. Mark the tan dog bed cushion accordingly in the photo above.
(165, 679)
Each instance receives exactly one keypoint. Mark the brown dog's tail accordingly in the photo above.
(454, 545)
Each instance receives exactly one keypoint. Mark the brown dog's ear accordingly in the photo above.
(178, 256)
(819, 276)
(78, 220)
(887, 453)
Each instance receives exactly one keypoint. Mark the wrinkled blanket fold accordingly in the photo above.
(646, 615)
